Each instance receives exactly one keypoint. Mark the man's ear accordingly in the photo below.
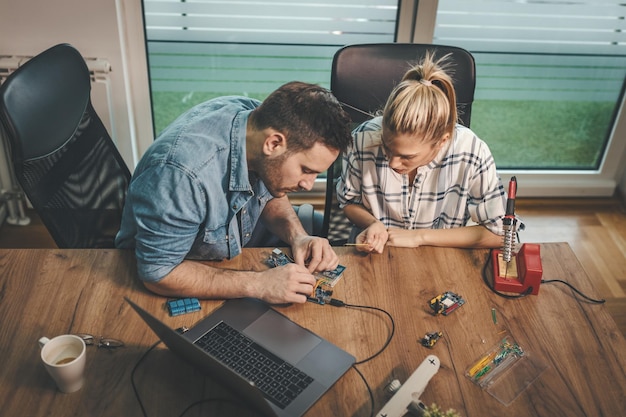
(275, 143)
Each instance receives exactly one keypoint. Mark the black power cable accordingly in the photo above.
(503, 295)
(338, 303)
(591, 300)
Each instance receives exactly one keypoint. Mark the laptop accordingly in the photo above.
(281, 370)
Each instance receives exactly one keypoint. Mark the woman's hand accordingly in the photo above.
(373, 238)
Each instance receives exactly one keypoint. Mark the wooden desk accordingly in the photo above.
(49, 292)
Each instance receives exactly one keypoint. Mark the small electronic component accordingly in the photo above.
(446, 303)
(321, 294)
(326, 280)
(331, 277)
(431, 338)
(495, 362)
(277, 258)
(183, 306)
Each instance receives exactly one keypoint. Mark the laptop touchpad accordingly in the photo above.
(282, 337)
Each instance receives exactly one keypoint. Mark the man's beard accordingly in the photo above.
(269, 171)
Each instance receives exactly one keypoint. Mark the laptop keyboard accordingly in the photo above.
(278, 381)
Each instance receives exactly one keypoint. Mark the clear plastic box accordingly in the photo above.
(505, 370)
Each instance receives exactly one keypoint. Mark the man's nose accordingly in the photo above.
(307, 182)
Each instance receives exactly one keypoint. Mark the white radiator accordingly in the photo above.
(11, 197)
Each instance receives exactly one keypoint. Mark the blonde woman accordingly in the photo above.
(414, 176)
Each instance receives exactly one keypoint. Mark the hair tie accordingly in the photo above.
(426, 82)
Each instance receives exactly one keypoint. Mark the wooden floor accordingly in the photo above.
(594, 228)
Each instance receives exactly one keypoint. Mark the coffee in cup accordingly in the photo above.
(64, 358)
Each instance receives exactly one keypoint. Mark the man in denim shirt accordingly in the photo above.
(218, 170)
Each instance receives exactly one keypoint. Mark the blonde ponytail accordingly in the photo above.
(423, 103)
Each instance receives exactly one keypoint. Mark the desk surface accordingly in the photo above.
(49, 292)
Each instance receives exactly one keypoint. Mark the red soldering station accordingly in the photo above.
(515, 272)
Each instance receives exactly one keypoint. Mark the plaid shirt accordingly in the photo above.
(459, 185)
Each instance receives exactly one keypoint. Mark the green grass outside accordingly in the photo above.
(543, 134)
(167, 106)
(520, 134)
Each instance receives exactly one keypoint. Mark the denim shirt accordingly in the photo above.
(191, 195)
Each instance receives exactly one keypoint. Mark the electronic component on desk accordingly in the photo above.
(322, 294)
(277, 258)
(326, 280)
(494, 362)
(331, 277)
(183, 306)
(431, 338)
(506, 370)
(446, 303)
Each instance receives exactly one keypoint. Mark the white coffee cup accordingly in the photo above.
(64, 358)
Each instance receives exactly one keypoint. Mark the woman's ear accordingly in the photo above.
(443, 140)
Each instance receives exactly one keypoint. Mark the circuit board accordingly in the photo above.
(326, 280)
(446, 303)
(431, 338)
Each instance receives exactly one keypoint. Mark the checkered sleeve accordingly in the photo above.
(349, 186)
(487, 198)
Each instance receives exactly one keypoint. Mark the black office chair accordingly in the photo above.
(62, 155)
(362, 78)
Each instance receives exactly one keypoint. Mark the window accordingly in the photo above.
(550, 81)
(199, 49)
(550, 74)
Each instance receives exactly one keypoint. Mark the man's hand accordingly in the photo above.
(312, 251)
(290, 283)
(373, 238)
(315, 252)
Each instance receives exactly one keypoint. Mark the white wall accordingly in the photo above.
(96, 29)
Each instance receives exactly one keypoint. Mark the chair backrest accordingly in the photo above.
(363, 76)
(62, 155)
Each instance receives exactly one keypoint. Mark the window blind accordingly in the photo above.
(252, 47)
(563, 26)
(564, 50)
(278, 22)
